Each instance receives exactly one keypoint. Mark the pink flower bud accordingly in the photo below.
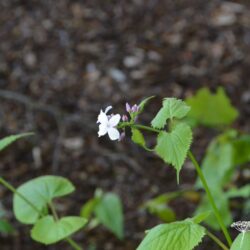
(124, 118)
(128, 108)
(135, 108)
(122, 136)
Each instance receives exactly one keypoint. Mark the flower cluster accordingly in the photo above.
(242, 226)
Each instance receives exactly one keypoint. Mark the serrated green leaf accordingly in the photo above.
(211, 109)
(39, 191)
(173, 147)
(243, 192)
(242, 242)
(49, 231)
(184, 235)
(171, 108)
(222, 205)
(12, 138)
(109, 212)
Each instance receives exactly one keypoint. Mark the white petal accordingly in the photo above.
(114, 120)
(107, 109)
(113, 134)
(102, 118)
(103, 129)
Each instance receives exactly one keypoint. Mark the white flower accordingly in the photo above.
(108, 124)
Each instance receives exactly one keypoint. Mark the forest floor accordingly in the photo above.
(62, 61)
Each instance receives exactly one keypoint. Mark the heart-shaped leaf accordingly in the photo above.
(49, 231)
(39, 191)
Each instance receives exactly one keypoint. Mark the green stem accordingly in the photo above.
(13, 190)
(217, 240)
(210, 197)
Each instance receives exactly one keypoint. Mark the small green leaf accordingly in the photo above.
(201, 217)
(222, 205)
(241, 150)
(211, 109)
(143, 103)
(173, 147)
(39, 191)
(49, 231)
(172, 108)
(89, 207)
(12, 138)
(137, 137)
(242, 242)
(109, 212)
(181, 235)
(243, 192)
(6, 227)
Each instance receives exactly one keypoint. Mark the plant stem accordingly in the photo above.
(210, 197)
(217, 240)
(13, 190)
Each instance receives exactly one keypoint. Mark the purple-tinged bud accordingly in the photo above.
(124, 118)
(135, 108)
(122, 136)
(128, 108)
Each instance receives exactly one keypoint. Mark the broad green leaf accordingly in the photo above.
(242, 242)
(39, 191)
(243, 192)
(181, 235)
(211, 109)
(173, 147)
(12, 138)
(241, 150)
(171, 108)
(143, 103)
(6, 227)
(109, 212)
(49, 231)
(218, 159)
(222, 205)
(137, 137)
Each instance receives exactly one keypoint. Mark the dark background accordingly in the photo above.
(62, 61)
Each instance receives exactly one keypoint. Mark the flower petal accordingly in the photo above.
(102, 118)
(114, 120)
(113, 134)
(103, 129)
(107, 109)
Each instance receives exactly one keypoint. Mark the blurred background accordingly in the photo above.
(62, 61)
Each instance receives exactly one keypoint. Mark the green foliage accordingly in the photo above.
(137, 137)
(173, 147)
(211, 109)
(242, 242)
(201, 217)
(12, 138)
(159, 207)
(107, 209)
(222, 204)
(184, 235)
(171, 108)
(241, 150)
(243, 192)
(109, 212)
(40, 192)
(49, 231)
(6, 227)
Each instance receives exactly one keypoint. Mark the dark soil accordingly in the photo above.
(62, 61)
